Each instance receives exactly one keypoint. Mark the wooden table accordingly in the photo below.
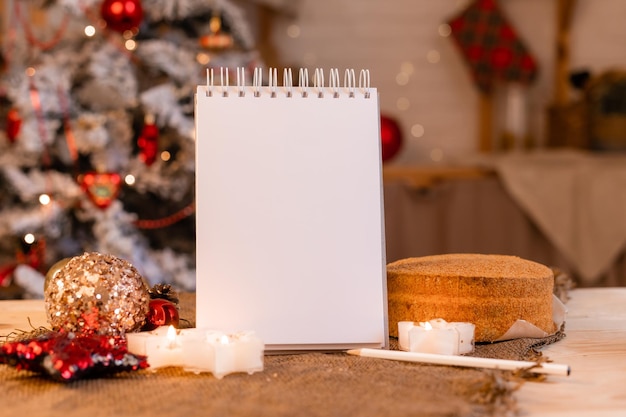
(595, 348)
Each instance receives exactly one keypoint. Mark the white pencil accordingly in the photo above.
(466, 361)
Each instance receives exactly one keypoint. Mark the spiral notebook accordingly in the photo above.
(289, 210)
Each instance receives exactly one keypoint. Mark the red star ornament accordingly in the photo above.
(491, 46)
(68, 357)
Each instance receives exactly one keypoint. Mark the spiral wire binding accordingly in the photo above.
(364, 82)
(349, 82)
(224, 85)
(273, 81)
(209, 82)
(288, 81)
(257, 81)
(303, 82)
(241, 81)
(333, 82)
(318, 82)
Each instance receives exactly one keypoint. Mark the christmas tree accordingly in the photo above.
(97, 145)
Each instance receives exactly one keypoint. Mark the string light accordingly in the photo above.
(29, 238)
(433, 56)
(309, 59)
(203, 58)
(44, 199)
(403, 103)
(436, 154)
(293, 31)
(165, 156)
(402, 78)
(90, 30)
(407, 68)
(129, 179)
(445, 30)
(417, 130)
(130, 44)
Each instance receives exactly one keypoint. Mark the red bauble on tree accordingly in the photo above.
(122, 15)
(148, 142)
(390, 136)
(14, 124)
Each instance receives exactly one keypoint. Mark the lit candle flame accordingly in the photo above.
(171, 336)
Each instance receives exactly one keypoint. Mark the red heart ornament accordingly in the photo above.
(101, 188)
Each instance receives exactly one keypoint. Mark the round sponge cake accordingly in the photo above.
(490, 291)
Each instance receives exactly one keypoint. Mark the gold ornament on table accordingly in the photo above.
(96, 293)
(52, 272)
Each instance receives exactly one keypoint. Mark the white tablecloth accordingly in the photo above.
(577, 199)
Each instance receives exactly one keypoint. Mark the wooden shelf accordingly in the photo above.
(426, 176)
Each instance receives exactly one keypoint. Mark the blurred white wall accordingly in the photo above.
(437, 103)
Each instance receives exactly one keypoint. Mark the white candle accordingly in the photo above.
(423, 338)
(199, 350)
(221, 353)
(403, 334)
(436, 336)
(162, 347)
(465, 331)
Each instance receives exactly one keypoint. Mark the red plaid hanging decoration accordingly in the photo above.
(491, 46)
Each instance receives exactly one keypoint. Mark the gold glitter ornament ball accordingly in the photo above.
(97, 293)
(52, 272)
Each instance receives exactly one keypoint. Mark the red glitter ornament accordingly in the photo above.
(122, 15)
(101, 188)
(161, 313)
(67, 357)
(148, 143)
(14, 124)
(390, 136)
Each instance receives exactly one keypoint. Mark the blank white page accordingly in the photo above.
(289, 220)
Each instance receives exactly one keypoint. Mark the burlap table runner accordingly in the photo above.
(311, 384)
